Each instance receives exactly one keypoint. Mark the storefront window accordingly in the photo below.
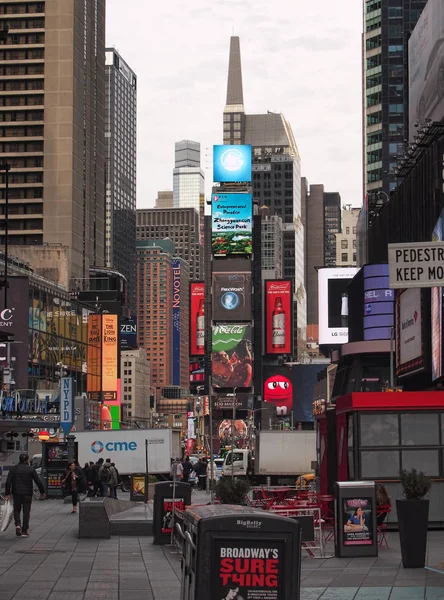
(379, 430)
(380, 463)
(422, 460)
(419, 429)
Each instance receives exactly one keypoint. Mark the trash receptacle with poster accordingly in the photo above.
(239, 553)
(167, 496)
(355, 519)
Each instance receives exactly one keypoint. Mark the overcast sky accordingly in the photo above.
(299, 58)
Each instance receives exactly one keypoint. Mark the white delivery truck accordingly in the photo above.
(280, 456)
(127, 449)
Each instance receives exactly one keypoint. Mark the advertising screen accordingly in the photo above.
(197, 318)
(232, 296)
(426, 56)
(278, 316)
(231, 224)
(232, 356)
(358, 522)
(94, 360)
(176, 320)
(379, 303)
(409, 342)
(333, 304)
(14, 321)
(109, 356)
(231, 163)
(128, 333)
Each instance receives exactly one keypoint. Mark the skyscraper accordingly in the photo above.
(52, 97)
(188, 177)
(346, 240)
(181, 226)
(121, 147)
(387, 28)
(276, 172)
(321, 217)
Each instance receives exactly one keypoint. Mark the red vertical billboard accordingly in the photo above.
(279, 316)
(197, 318)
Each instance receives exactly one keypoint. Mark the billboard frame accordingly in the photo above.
(268, 329)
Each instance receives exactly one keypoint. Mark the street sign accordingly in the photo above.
(66, 404)
(416, 264)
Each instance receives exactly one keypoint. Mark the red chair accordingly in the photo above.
(382, 516)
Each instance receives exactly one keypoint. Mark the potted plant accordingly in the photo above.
(232, 491)
(413, 518)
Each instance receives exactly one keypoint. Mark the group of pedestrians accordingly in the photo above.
(202, 469)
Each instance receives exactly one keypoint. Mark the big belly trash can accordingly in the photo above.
(239, 553)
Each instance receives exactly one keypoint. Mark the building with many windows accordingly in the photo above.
(346, 239)
(121, 148)
(164, 199)
(272, 247)
(52, 99)
(182, 226)
(135, 382)
(188, 177)
(387, 28)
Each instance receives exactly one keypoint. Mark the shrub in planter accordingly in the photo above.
(232, 491)
(413, 518)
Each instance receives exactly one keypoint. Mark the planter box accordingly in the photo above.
(413, 519)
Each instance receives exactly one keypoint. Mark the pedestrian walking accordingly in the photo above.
(93, 478)
(114, 479)
(105, 477)
(176, 470)
(202, 473)
(98, 487)
(73, 482)
(20, 483)
(187, 467)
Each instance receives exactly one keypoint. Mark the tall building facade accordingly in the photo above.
(121, 150)
(162, 311)
(321, 217)
(135, 381)
(188, 177)
(387, 28)
(346, 251)
(272, 245)
(276, 172)
(52, 89)
(181, 226)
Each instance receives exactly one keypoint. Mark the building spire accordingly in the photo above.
(235, 96)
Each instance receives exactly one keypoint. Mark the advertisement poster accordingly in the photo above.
(232, 163)
(169, 504)
(333, 304)
(128, 334)
(109, 356)
(358, 522)
(197, 318)
(279, 316)
(409, 335)
(14, 320)
(231, 224)
(232, 356)
(248, 570)
(139, 488)
(94, 383)
(177, 264)
(232, 297)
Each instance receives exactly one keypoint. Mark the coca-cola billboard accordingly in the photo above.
(232, 356)
(278, 316)
(197, 318)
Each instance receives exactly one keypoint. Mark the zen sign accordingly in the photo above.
(416, 264)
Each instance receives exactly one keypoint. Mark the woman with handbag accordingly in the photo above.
(73, 483)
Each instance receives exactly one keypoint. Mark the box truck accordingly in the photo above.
(279, 456)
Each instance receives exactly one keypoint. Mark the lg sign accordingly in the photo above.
(97, 447)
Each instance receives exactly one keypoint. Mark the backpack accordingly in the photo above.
(105, 475)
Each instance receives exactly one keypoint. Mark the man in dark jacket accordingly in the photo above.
(20, 482)
(187, 468)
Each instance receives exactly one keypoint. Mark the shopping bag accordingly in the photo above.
(6, 512)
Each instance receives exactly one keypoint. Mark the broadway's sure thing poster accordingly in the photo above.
(231, 224)
(358, 522)
(168, 512)
(251, 570)
(232, 356)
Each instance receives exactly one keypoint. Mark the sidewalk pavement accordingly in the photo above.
(53, 564)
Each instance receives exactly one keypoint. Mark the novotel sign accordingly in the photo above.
(416, 265)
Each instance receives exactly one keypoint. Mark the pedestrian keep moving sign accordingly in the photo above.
(416, 264)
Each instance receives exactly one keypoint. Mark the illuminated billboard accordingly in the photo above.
(333, 304)
(176, 319)
(94, 357)
(14, 321)
(197, 318)
(278, 316)
(231, 224)
(379, 303)
(232, 356)
(409, 336)
(426, 64)
(128, 333)
(232, 163)
(109, 356)
(232, 296)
